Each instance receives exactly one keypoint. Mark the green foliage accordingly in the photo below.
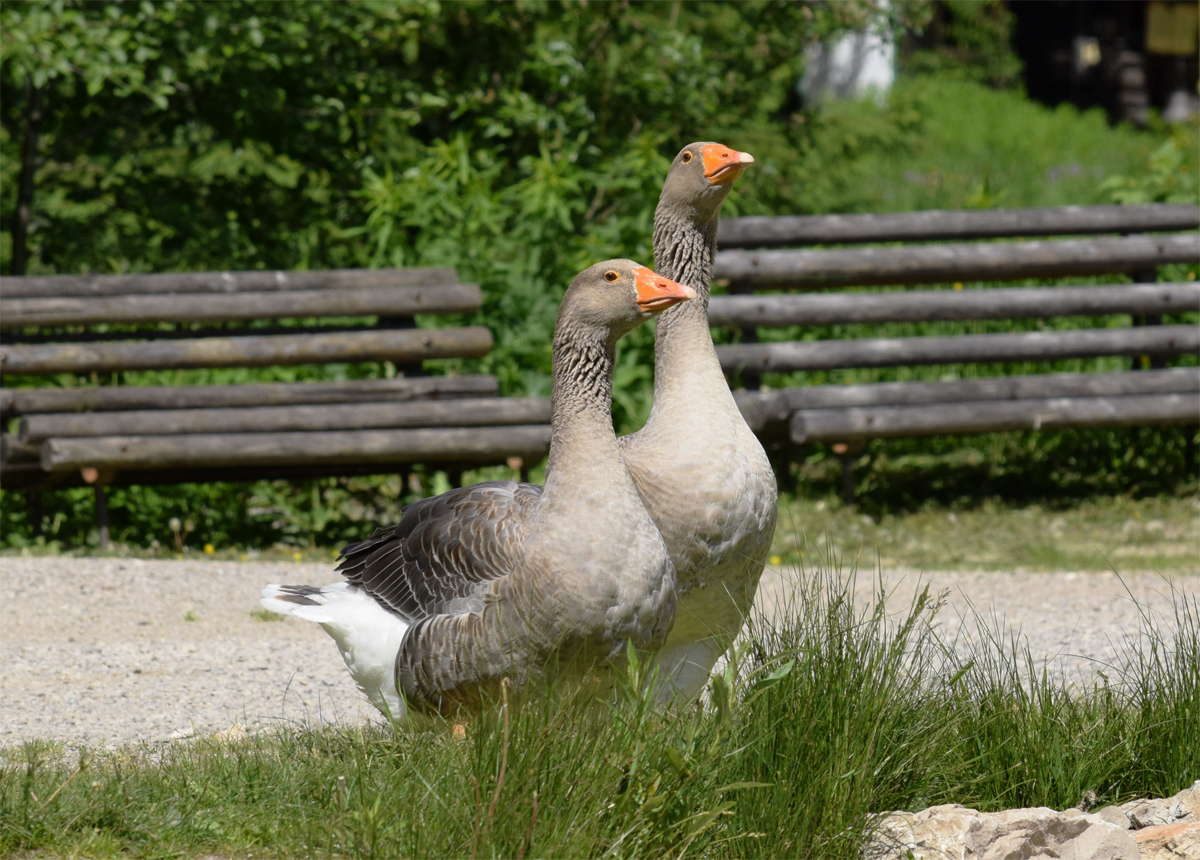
(1170, 175)
(971, 39)
(826, 719)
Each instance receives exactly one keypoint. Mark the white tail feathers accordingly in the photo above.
(367, 635)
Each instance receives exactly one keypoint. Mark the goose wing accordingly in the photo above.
(445, 552)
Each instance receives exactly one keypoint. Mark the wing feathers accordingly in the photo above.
(444, 550)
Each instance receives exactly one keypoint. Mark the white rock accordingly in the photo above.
(1182, 807)
(955, 832)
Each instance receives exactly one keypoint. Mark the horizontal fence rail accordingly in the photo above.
(992, 416)
(109, 398)
(217, 450)
(953, 349)
(50, 286)
(351, 301)
(762, 408)
(404, 345)
(957, 262)
(945, 305)
(273, 419)
(940, 225)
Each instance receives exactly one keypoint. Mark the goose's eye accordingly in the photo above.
(611, 276)
(687, 156)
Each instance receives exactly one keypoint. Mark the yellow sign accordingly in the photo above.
(1172, 28)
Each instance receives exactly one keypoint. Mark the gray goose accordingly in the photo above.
(509, 580)
(713, 497)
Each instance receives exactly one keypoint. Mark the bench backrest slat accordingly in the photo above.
(399, 345)
(48, 286)
(940, 225)
(943, 305)
(199, 307)
(954, 349)
(939, 264)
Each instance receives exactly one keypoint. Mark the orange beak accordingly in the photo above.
(722, 164)
(655, 293)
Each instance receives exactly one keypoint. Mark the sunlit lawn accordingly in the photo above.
(1156, 534)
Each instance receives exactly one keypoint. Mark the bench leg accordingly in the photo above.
(102, 515)
(847, 479)
(33, 500)
(847, 452)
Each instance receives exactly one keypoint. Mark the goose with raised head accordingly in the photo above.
(713, 498)
(507, 580)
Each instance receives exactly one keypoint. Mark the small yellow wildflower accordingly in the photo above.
(776, 559)
(297, 556)
(209, 549)
(958, 285)
(243, 558)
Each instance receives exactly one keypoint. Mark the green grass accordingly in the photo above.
(822, 721)
(949, 143)
(1097, 534)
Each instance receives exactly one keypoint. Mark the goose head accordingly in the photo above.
(619, 295)
(701, 176)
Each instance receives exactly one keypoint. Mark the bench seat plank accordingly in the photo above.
(765, 408)
(200, 307)
(841, 425)
(946, 305)
(24, 401)
(217, 450)
(400, 345)
(474, 412)
(941, 264)
(953, 349)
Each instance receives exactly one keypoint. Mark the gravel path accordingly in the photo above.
(107, 651)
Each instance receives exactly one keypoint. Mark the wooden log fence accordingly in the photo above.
(202, 307)
(1023, 346)
(940, 225)
(399, 345)
(27, 401)
(217, 450)
(845, 425)
(946, 305)
(990, 261)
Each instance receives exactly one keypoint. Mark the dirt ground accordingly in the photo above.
(106, 651)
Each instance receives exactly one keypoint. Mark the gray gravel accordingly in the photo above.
(106, 651)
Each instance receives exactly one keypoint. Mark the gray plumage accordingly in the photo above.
(513, 580)
(702, 474)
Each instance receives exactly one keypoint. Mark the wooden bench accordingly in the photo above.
(851, 414)
(87, 330)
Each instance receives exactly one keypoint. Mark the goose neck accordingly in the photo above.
(685, 244)
(581, 401)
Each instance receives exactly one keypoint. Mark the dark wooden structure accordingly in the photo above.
(87, 328)
(936, 254)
